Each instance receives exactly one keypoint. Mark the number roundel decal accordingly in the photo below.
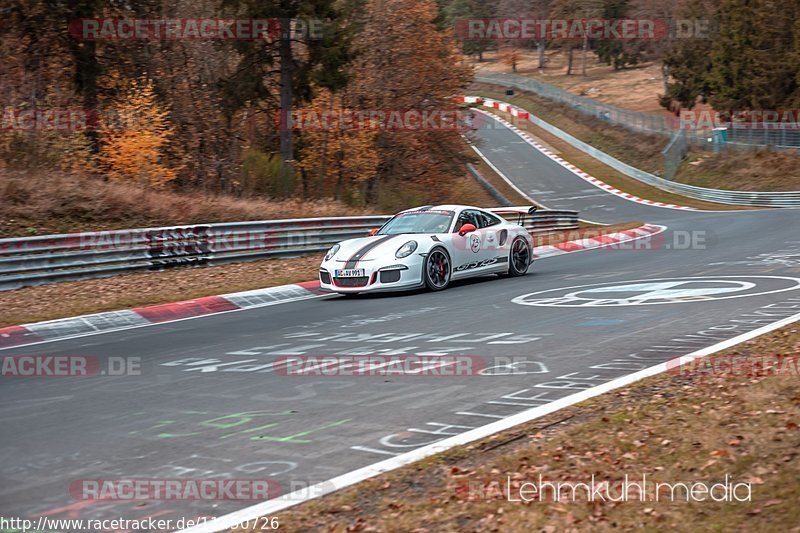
(474, 243)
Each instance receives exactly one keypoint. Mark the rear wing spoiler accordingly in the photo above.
(520, 211)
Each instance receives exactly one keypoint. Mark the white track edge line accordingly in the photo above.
(351, 478)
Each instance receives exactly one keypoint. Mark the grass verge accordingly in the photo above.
(690, 426)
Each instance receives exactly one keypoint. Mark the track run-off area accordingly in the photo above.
(207, 400)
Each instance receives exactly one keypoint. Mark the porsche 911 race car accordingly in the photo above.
(429, 247)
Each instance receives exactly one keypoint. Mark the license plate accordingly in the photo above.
(350, 273)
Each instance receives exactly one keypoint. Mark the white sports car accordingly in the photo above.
(428, 247)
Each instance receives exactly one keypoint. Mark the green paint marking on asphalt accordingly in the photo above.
(223, 422)
(294, 439)
(250, 430)
(237, 419)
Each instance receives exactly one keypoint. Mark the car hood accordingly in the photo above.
(370, 245)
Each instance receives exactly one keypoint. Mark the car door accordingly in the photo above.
(471, 252)
(495, 238)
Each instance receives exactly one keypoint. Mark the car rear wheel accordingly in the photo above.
(519, 259)
(437, 269)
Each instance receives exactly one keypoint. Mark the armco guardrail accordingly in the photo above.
(29, 261)
(748, 198)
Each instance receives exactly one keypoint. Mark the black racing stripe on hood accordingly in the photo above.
(351, 263)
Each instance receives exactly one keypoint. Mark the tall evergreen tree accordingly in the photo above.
(616, 52)
(752, 59)
(456, 13)
(297, 55)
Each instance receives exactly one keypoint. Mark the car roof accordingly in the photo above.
(441, 207)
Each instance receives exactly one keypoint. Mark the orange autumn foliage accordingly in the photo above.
(336, 157)
(135, 138)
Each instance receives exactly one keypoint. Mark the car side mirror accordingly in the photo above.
(466, 228)
(533, 209)
(373, 231)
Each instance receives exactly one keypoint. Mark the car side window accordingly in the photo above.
(488, 219)
(466, 217)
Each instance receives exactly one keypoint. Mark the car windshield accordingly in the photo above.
(418, 222)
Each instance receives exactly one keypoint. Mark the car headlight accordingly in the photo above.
(331, 252)
(406, 250)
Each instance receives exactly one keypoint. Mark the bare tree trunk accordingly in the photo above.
(371, 196)
(87, 70)
(337, 193)
(323, 165)
(569, 59)
(286, 58)
(541, 45)
(583, 54)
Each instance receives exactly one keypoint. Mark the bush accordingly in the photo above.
(266, 175)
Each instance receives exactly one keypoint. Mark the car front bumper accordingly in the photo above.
(397, 276)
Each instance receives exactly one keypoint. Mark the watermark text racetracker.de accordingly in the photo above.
(174, 489)
(666, 240)
(410, 365)
(457, 120)
(405, 365)
(46, 366)
(595, 29)
(177, 29)
(736, 366)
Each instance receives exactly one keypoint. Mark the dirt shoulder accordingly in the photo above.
(690, 426)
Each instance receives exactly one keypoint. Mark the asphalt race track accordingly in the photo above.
(208, 405)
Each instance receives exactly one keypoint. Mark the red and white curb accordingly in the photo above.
(521, 113)
(79, 326)
(601, 241)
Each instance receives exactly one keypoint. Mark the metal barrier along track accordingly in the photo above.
(747, 198)
(29, 261)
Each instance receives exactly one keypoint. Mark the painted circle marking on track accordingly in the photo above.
(659, 291)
